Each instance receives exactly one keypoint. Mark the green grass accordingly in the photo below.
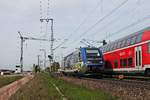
(41, 88)
(5, 80)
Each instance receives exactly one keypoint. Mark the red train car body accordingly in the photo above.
(130, 54)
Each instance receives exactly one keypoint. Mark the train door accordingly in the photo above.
(138, 57)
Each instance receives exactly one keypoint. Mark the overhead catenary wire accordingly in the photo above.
(130, 25)
(59, 45)
(100, 20)
(83, 22)
(116, 19)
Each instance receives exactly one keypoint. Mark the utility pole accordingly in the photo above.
(51, 38)
(52, 41)
(62, 57)
(22, 38)
(44, 57)
(21, 57)
(38, 56)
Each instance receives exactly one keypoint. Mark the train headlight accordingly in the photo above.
(101, 62)
(88, 62)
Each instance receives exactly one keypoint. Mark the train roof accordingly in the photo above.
(134, 34)
(138, 33)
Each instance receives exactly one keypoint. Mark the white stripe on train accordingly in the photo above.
(131, 69)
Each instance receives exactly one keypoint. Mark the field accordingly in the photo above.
(5, 80)
(45, 87)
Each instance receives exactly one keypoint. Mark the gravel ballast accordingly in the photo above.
(125, 90)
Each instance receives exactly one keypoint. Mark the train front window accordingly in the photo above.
(93, 52)
(93, 55)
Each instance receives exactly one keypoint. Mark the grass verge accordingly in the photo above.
(41, 88)
(5, 80)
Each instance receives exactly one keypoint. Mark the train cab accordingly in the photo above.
(92, 59)
(84, 60)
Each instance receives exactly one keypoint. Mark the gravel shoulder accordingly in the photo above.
(123, 90)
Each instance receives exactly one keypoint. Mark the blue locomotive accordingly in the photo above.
(84, 60)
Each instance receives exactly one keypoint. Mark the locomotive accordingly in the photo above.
(128, 55)
(84, 60)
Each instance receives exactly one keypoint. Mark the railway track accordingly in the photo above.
(124, 89)
(128, 82)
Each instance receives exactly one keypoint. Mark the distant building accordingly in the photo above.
(18, 69)
(6, 72)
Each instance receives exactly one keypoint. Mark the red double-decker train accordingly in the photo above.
(129, 55)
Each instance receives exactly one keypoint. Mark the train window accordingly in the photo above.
(128, 42)
(104, 49)
(114, 47)
(136, 58)
(123, 43)
(130, 62)
(118, 46)
(116, 63)
(124, 62)
(149, 47)
(133, 40)
(111, 48)
(139, 38)
(121, 62)
(107, 49)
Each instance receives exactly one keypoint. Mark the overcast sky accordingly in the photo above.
(24, 15)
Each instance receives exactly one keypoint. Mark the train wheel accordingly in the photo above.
(147, 72)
